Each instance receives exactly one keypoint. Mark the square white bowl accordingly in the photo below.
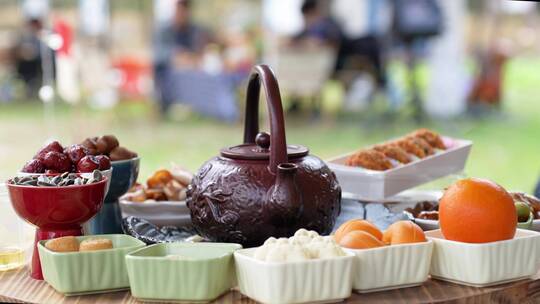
(485, 264)
(391, 267)
(320, 280)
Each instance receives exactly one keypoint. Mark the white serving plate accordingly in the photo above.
(162, 213)
(364, 184)
(391, 267)
(485, 264)
(321, 280)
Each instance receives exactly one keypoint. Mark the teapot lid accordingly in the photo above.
(260, 150)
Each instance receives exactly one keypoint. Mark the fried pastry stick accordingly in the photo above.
(393, 152)
(369, 159)
(431, 137)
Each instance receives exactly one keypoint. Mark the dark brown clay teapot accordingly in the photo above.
(263, 187)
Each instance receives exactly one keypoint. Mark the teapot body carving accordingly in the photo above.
(228, 200)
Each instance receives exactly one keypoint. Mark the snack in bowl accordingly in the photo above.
(63, 180)
(315, 268)
(63, 244)
(95, 244)
(403, 232)
(89, 271)
(360, 240)
(477, 211)
(108, 145)
(398, 257)
(361, 234)
(163, 185)
(369, 159)
(304, 245)
(71, 244)
(356, 224)
(54, 159)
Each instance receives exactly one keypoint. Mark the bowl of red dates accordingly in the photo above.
(55, 159)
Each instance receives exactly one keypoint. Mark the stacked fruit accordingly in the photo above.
(53, 158)
(361, 234)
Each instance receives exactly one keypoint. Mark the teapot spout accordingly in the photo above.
(284, 201)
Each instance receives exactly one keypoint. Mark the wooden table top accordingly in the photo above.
(17, 287)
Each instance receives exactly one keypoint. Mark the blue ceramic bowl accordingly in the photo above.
(109, 218)
(124, 176)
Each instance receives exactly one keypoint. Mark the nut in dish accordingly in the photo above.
(163, 185)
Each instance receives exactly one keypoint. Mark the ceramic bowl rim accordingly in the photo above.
(234, 247)
(242, 254)
(528, 234)
(21, 173)
(103, 181)
(41, 244)
(427, 243)
(125, 161)
(155, 204)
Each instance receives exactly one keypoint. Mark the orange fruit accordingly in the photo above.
(357, 239)
(403, 232)
(353, 225)
(477, 211)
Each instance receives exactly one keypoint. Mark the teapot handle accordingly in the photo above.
(278, 144)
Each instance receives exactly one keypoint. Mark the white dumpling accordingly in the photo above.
(313, 249)
(328, 239)
(317, 239)
(312, 234)
(270, 240)
(261, 252)
(299, 239)
(277, 254)
(301, 232)
(297, 253)
(328, 250)
(282, 241)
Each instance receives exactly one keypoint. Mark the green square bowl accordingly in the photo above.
(75, 273)
(190, 272)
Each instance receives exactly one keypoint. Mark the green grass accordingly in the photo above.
(506, 144)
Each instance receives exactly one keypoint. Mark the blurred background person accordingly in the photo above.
(178, 44)
(319, 40)
(319, 29)
(361, 62)
(28, 54)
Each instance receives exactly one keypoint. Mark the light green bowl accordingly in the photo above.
(191, 272)
(75, 273)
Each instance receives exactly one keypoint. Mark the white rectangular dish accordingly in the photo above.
(391, 267)
(321, 280)
(364, 184)
(486, 264)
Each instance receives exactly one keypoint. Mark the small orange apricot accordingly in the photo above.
(403, 232)
(360, 240)
(360, 225)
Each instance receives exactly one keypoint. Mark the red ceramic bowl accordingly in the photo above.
(56, 211)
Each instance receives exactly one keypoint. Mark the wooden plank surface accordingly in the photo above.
(17, 287)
